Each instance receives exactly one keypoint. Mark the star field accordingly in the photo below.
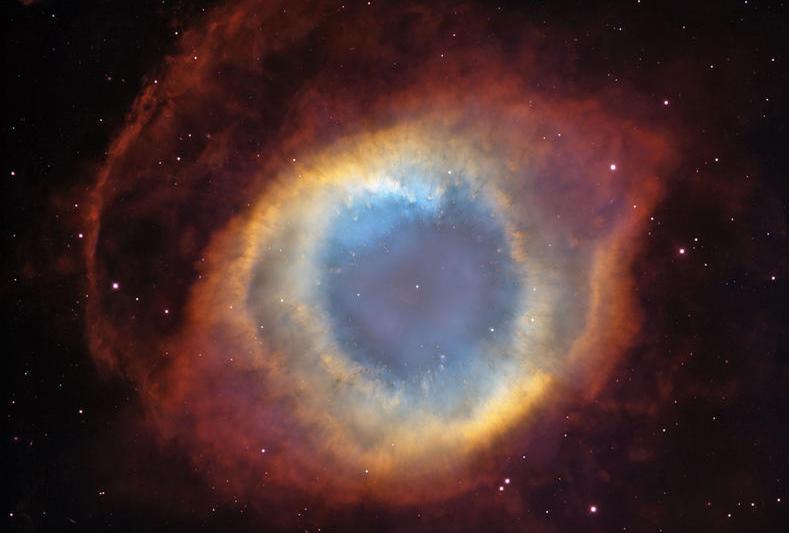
(395, 267)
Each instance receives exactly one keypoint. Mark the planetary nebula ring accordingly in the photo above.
(370, 288)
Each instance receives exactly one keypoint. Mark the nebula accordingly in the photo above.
(380, 243)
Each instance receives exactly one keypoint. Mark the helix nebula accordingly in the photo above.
(380, 281)
(370, 266)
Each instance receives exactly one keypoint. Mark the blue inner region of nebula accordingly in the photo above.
(418, 286)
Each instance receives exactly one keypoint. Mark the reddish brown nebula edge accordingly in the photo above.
(232, 162)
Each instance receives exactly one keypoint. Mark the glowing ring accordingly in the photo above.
(256, 367)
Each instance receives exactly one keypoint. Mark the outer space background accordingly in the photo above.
(117, 413)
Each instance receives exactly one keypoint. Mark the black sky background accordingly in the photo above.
(717, 336)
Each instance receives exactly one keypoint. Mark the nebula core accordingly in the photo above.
(364, 293)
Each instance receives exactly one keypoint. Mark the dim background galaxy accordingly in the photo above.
(395, 266)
